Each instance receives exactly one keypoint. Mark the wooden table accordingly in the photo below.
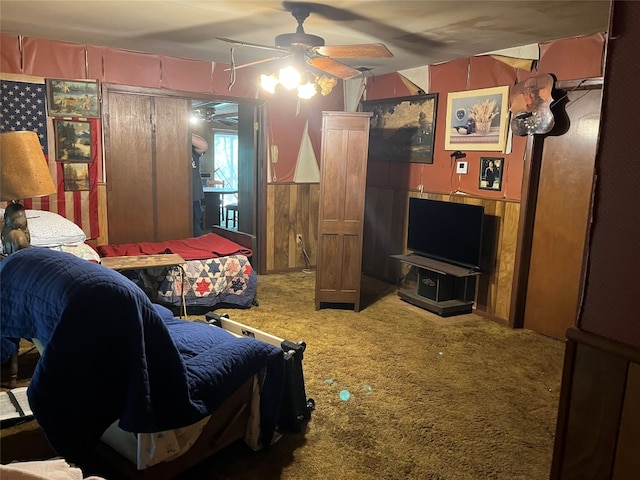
(142, 262)
(136, 262)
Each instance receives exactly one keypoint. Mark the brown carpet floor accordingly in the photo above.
(431, 398)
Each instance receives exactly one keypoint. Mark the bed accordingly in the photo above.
(113, 359)
(217, 271)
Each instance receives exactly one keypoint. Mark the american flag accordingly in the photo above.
(23, 107)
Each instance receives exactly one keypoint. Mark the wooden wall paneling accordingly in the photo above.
(103, 222)
(397, 232)
(292, 228)
(597, 392)
(270, 239)
(301, 202)
(314, 209)
(302, 223)
(505, 258)
(281, 232)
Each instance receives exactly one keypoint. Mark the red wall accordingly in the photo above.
(287, 116)
(567, 59)
(573, 58)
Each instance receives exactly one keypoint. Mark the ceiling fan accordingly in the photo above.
(311, 49)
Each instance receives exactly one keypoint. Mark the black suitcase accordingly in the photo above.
(296, 407)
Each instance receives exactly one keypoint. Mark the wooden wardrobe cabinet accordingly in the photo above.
(148, 167)
(343, 173)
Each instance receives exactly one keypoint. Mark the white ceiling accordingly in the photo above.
(417, 32)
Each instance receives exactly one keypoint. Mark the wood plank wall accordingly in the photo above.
(293, 209)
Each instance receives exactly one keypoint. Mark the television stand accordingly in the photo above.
(441, 288)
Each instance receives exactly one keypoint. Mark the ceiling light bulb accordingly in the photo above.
(289, 77)
(269, 82)
(307, 90)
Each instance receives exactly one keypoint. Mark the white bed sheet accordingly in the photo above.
(147, 449)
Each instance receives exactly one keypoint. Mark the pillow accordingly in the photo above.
(49, 229)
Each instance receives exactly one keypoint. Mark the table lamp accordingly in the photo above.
(24, 173)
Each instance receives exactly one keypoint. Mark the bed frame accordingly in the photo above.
(245, 239)
(228, 423)
(226, 426)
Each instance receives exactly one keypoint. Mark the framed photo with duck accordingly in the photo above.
(491, 173)
(477, 119)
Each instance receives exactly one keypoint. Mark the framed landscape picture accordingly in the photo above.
(72, 98)
(73, 141)
(76, 177)
(491, 173)
(402, 129)
(477, 119)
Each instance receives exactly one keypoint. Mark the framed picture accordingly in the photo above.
(491, 173)
(76, 177)
(402, 129)
(73, 141)
(477, 119)
(72, 98)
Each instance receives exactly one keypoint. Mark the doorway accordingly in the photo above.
(217, 122)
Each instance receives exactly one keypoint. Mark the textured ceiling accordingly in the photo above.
(417, 32)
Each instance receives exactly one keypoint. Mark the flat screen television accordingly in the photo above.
(446, 231)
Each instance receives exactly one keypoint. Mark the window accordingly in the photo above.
(225, 161)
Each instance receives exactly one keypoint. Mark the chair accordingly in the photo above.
(218, 184)
(231, 215)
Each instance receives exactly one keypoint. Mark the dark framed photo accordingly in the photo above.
(491, 173)
(72, 98)
(76, 177)
(402, 129)
(73, 141)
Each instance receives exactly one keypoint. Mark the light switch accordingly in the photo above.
(461, 167)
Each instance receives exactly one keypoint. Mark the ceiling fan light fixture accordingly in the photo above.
(307, 90)
(269, 82)
(290, 77)
(326, 84)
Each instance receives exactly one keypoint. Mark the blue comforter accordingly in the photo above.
(111, 354)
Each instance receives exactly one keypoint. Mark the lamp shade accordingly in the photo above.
(24, 172)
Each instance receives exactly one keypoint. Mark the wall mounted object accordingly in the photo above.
(402, 129)
(477, 120)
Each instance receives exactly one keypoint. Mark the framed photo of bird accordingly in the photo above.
(477, 120)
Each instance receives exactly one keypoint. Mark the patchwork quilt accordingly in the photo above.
(225, 280)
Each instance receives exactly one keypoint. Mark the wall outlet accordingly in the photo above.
(461, 167)
(299, 239)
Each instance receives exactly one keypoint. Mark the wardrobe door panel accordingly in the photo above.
(173, 207)
(129, 169)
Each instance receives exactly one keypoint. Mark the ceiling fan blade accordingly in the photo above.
(252, 45)
(333, 67)
(366, 50)
(257, 62)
